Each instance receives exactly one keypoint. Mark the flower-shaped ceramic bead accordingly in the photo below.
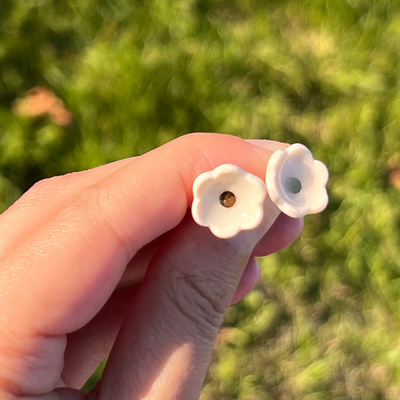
(228, 200)
(296, 182)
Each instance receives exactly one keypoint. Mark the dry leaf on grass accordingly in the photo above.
(41, 101)
(394, 178)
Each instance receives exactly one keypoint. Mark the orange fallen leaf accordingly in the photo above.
(41, 101)
(394, 178)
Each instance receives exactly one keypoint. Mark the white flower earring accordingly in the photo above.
(228, 200)
(296, 182)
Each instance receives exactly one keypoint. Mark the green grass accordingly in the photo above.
(324, 321)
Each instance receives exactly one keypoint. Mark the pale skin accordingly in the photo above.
(66, 301)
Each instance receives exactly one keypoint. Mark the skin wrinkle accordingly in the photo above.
(191, 165)
(189, 293)
(31, 362)
(98, 196)
(202, 291)
(156, 203)
(181, 189)
(184, 288)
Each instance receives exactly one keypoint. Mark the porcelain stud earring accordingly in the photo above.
(296, 182)
(228, 200)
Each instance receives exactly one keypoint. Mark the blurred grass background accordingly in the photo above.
(324, 321)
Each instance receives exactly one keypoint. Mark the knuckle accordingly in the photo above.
(91, 201)
(202, 300)
(47, 185)
(86, 207)
(94, 205)
(98, 201)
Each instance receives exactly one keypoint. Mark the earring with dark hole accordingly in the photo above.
(227, 199)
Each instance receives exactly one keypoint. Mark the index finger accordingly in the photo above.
(84, 250)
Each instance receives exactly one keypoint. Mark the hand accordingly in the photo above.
(65, 303)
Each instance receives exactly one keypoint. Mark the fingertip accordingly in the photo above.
(283, 232)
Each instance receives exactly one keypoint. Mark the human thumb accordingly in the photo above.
(164, 347)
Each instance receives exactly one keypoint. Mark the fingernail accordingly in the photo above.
(271, 145)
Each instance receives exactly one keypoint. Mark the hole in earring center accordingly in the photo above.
(227, 199)
(293, 185)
